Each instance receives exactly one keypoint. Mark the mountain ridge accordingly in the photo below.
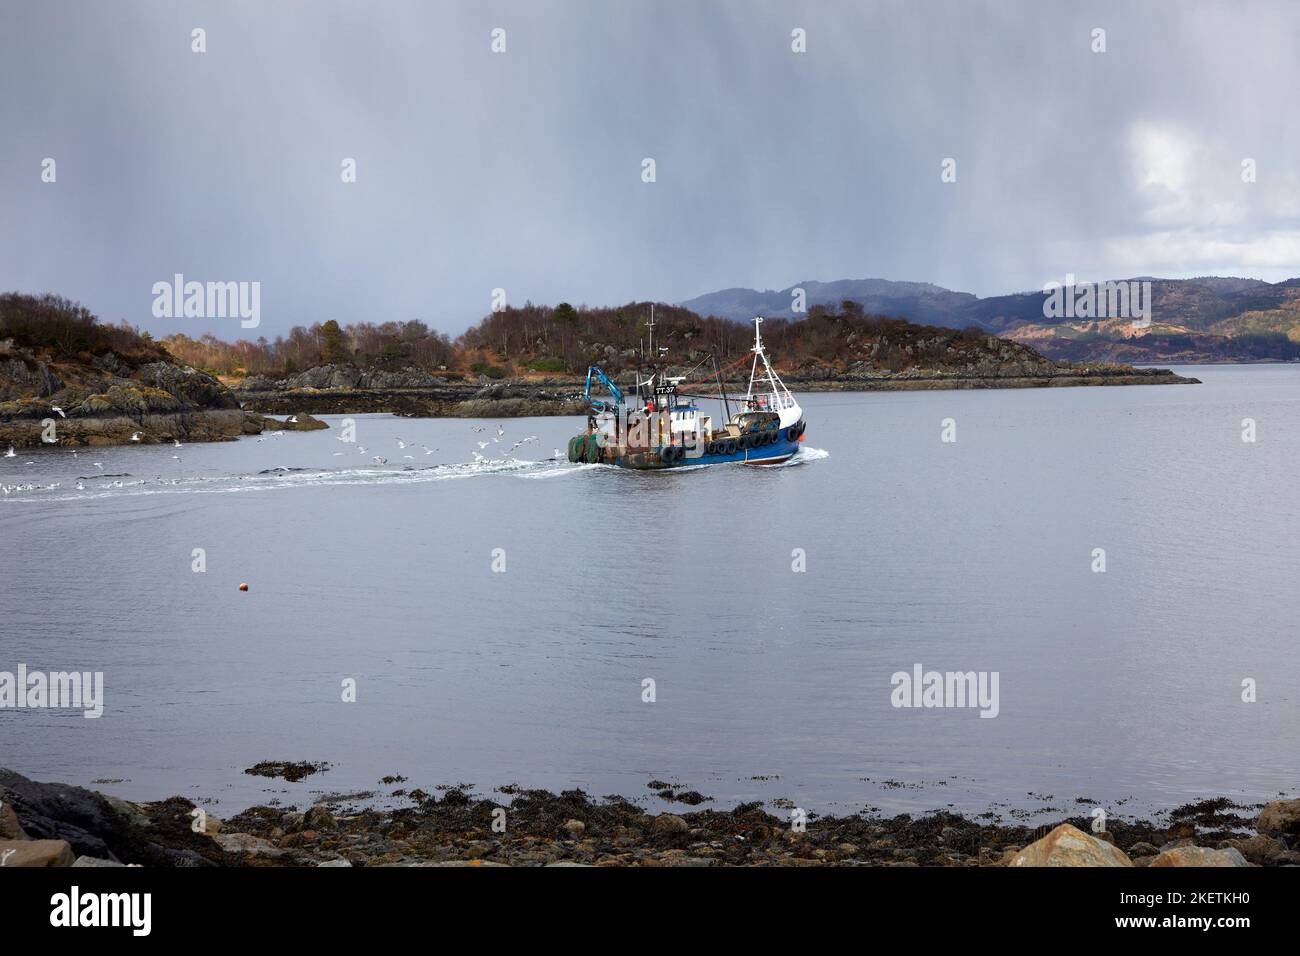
(1200, 319)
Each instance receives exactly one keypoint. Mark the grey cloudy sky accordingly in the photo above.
(522, 170)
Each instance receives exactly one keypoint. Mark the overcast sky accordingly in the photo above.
(522, 170)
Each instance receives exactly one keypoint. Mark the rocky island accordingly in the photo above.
(532, 361)
(67, 379)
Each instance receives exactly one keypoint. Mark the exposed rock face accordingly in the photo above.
(1280, 818)
(90, 824)
(56, 811)
(1070, 846)
(104, 401)
(1200, 856)
(344, 377)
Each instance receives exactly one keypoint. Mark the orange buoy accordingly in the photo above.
(243, 587)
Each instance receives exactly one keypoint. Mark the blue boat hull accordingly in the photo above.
(779, 451)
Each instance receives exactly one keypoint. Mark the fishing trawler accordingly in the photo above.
(660, 423)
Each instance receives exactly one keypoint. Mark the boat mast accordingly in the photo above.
(758, 351)
(779, 392)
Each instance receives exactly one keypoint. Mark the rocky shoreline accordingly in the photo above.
(46, 824)
(346, 390)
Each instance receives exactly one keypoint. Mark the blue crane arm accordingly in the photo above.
(607, 382)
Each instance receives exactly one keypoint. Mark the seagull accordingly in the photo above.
(412, 457)
(338, 454)
(99, 465)
(428, 450)
(293, 419)
(177, 457)
(478, 428)
(59, 410)
(400, 443)
(176, 443)
(11, 453)
(381, 460)
(361, 449)
(500, 431)
(80, 486)
(556, 456)
(482, 444)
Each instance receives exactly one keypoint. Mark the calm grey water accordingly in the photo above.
(1122, 687)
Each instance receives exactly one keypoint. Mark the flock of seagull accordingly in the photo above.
(402, 445)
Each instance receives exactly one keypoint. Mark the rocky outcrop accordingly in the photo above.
(1070, 846)
(91, 824)
(436, 398)
(1280, 818)
(348, 377)
(104, 400)
(300, 422)
(346, 390)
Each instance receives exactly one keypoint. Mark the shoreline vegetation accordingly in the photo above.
(50, 824)
(68, 379)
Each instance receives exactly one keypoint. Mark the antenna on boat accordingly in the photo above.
(651, 324)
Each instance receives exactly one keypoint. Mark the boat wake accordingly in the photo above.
(801, 457)
(267, 479)
(84, 488)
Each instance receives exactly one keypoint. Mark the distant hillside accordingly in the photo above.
(1207, 319)
(919, 302)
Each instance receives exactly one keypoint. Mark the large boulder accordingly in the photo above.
(670, 823)
(1200, 856)
(35, 853)
(1258, 848)
(1280, 818)
(1070, 846)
